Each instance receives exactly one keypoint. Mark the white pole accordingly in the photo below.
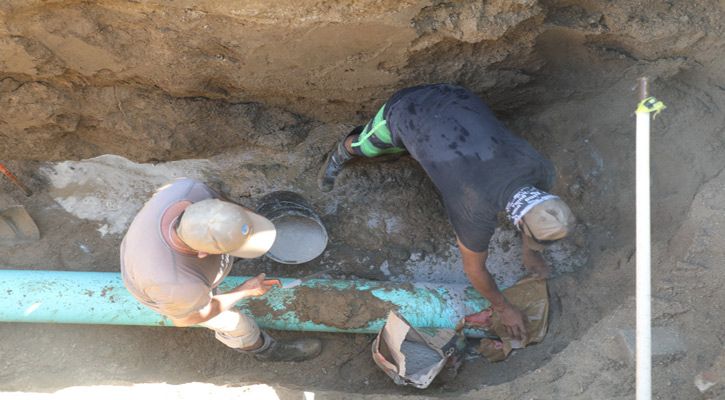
(643, 258)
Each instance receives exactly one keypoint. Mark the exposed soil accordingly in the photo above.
(250, 98)
(337, 308)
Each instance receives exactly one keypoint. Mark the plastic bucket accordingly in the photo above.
(301, 237)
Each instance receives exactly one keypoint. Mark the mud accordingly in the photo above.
(341, 309)
(102, 102)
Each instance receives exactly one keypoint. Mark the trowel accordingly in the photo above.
(16, 227)
(299, 281)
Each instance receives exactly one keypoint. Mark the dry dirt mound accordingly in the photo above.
(249, 97)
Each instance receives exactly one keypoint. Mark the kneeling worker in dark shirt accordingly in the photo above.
(479, 166)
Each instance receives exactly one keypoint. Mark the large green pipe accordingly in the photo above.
(316, 305)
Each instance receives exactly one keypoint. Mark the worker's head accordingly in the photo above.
(218, 227)
(547, 222)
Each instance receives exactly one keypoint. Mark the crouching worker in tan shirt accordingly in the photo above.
(177, 251)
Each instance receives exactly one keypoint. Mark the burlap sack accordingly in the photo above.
(528, 295)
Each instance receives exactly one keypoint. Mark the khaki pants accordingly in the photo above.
(234, 328)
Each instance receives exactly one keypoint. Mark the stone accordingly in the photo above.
(667, 341)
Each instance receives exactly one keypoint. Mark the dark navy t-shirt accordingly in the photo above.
(473, 159)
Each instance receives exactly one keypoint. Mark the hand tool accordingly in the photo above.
(16, 181)
(297, 282)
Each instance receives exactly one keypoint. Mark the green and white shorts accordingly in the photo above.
(375, 139)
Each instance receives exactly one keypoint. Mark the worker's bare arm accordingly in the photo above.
(475, 266)
(219, 303)
(533, 260)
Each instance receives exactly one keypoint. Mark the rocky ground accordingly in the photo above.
(250, 98)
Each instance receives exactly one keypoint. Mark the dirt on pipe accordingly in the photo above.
(103, 102)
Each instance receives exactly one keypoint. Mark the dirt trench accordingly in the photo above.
(102, 102)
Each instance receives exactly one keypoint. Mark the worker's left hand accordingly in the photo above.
(535, 263)
(513, 320)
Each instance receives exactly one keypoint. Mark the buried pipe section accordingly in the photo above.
(101, 298)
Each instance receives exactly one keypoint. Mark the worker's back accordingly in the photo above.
(473, 159)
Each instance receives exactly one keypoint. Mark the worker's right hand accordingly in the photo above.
(256, 286)
(513, 320)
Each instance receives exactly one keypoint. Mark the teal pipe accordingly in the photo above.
(101, 298)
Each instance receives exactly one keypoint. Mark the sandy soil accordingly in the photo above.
(250, 100)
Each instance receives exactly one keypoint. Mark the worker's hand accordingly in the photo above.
(534, 262)
(513, 320)
(256, 286)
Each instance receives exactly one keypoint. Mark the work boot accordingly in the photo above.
(334, 163)
(290, 350)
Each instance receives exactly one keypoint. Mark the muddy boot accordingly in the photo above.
(290, 350)
(334, 163)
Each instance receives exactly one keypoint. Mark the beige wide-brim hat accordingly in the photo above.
(547, 221)
(219, 227)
